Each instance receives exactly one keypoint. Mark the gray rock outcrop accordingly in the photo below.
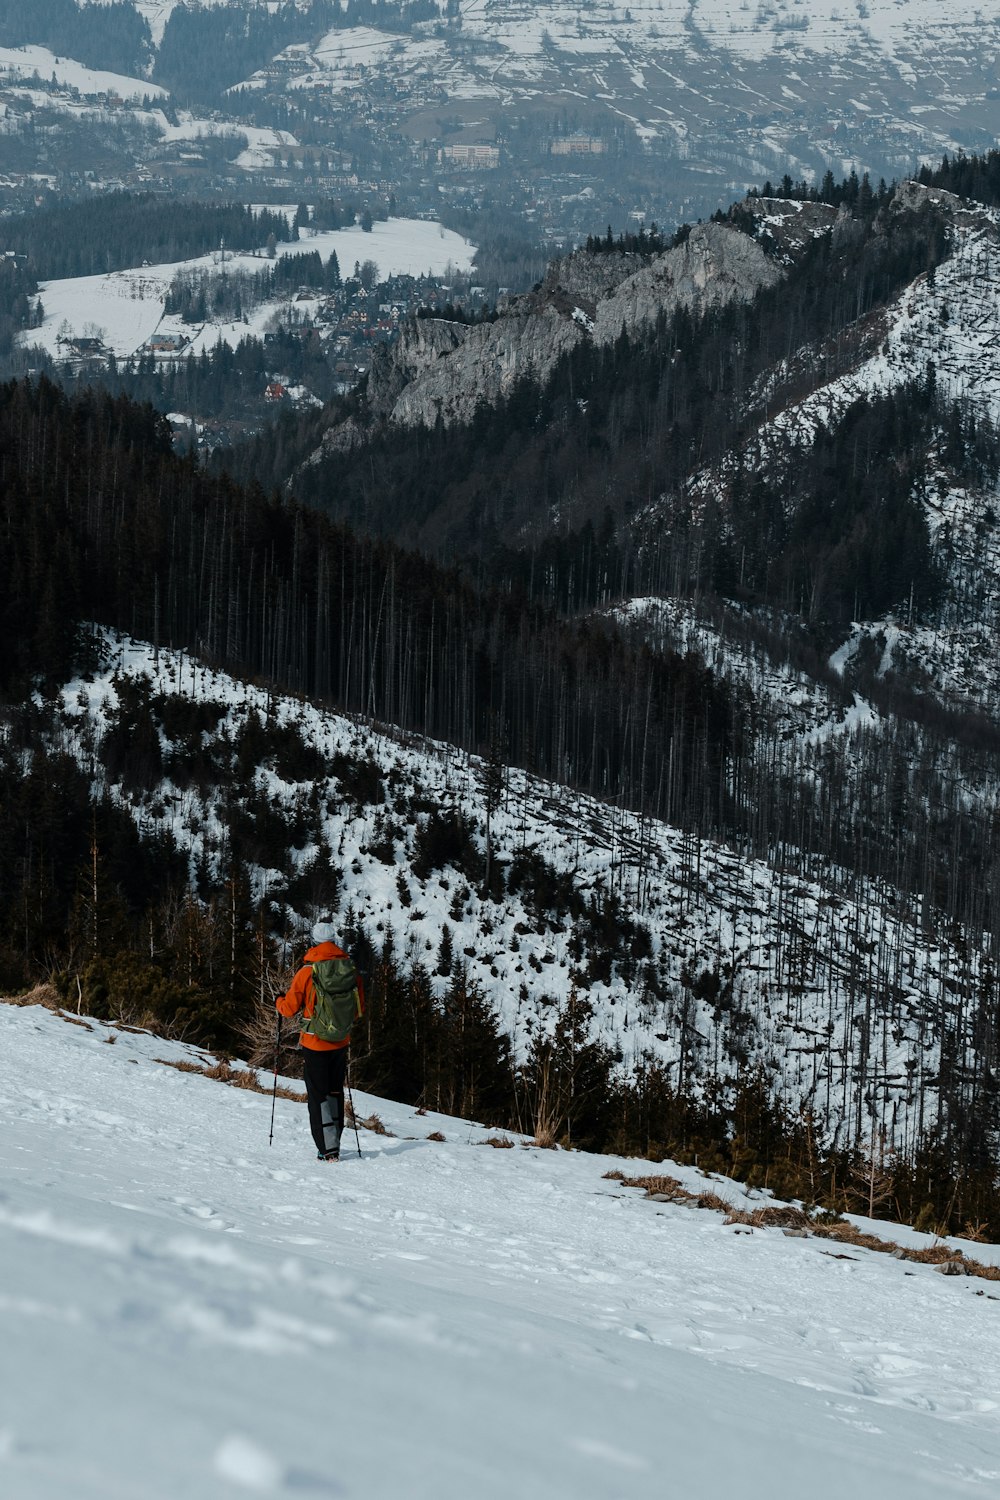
(441, 370)
(714, 266)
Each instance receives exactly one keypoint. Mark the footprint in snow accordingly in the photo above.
(206, 1215)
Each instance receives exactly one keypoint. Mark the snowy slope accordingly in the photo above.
(186, 1311)
(949, 318)
(942, 324)
(795, 963)
(784, 85)
(801, 706)
(25, 62)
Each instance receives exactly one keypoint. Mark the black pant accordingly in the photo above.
(324, 1074)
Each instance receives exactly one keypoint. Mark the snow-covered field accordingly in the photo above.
(126, 308)
(25, 62)
(188, 1311)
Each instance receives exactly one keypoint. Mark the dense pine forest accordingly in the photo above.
(93, 236)
(113, 36)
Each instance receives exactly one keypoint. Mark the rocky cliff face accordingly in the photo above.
(715, 265)
(448, 369)
(442, 370)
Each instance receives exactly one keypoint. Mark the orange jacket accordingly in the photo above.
(301, 995)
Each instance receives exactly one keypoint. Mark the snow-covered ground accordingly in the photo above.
(25, 62)
(801, 706)
(187, 1311)
(125, 308)
(949, 318)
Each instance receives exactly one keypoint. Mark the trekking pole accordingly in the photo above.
(354, 1114)
(274, 1095)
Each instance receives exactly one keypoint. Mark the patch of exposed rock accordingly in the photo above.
(714, 266)
(915, 196)
(588, 277)
(445, 369)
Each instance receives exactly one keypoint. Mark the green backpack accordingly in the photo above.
(338, 1003)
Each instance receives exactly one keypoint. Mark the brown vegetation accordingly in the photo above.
(237, 1078)
(40, 994)
(797, 1220)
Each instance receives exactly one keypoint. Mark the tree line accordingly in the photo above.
(206, 49)
(93, 236)
(196, 295)
(111, 35)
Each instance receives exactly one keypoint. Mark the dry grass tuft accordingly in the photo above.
(778, 1217)
(544, 1138)
(374, 1124)
(294, 1094)
(220, 1071)
(435, 1135)
(785, 1216)
(246, 1078)
(653, 1187)
(713, 1201)
(498, 1142)
(40, 994)
(237, 1078)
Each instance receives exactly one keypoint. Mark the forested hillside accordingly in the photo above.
(124, 229)
(735, 574)
(111, 35)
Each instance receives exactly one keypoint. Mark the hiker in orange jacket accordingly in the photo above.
(324, 1062)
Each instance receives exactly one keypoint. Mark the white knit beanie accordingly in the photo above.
(324, 932)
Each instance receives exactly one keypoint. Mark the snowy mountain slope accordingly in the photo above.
(437, 1319)
(942, 328)
(692, 101)
(718, 961)
(802, 707)
(948, 319)
(662, 66)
